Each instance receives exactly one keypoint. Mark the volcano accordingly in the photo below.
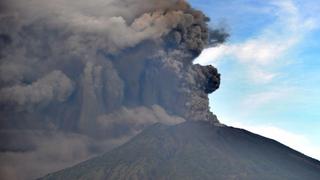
(196, 150)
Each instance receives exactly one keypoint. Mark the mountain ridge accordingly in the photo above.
(196, 150)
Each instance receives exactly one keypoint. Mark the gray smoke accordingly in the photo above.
(78, 78)
(55, 86)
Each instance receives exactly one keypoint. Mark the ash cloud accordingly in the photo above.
(55, 86)
(78, 78)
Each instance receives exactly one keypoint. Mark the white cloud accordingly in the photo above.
(266, 49)
(296, 141)
(210, 55)
(256, 100)
(258, 75)
(260, 56)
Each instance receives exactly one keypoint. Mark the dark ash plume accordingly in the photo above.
(88, 75)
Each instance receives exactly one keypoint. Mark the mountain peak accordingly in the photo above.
(196, 150)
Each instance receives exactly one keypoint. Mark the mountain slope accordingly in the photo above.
(197, 150)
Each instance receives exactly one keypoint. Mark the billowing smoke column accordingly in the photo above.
(80, 77)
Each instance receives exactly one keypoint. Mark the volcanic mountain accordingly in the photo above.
(196, 150)
(79, 78)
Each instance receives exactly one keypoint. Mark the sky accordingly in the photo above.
(269, 68)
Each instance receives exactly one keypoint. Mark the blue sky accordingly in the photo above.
(270, 68)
